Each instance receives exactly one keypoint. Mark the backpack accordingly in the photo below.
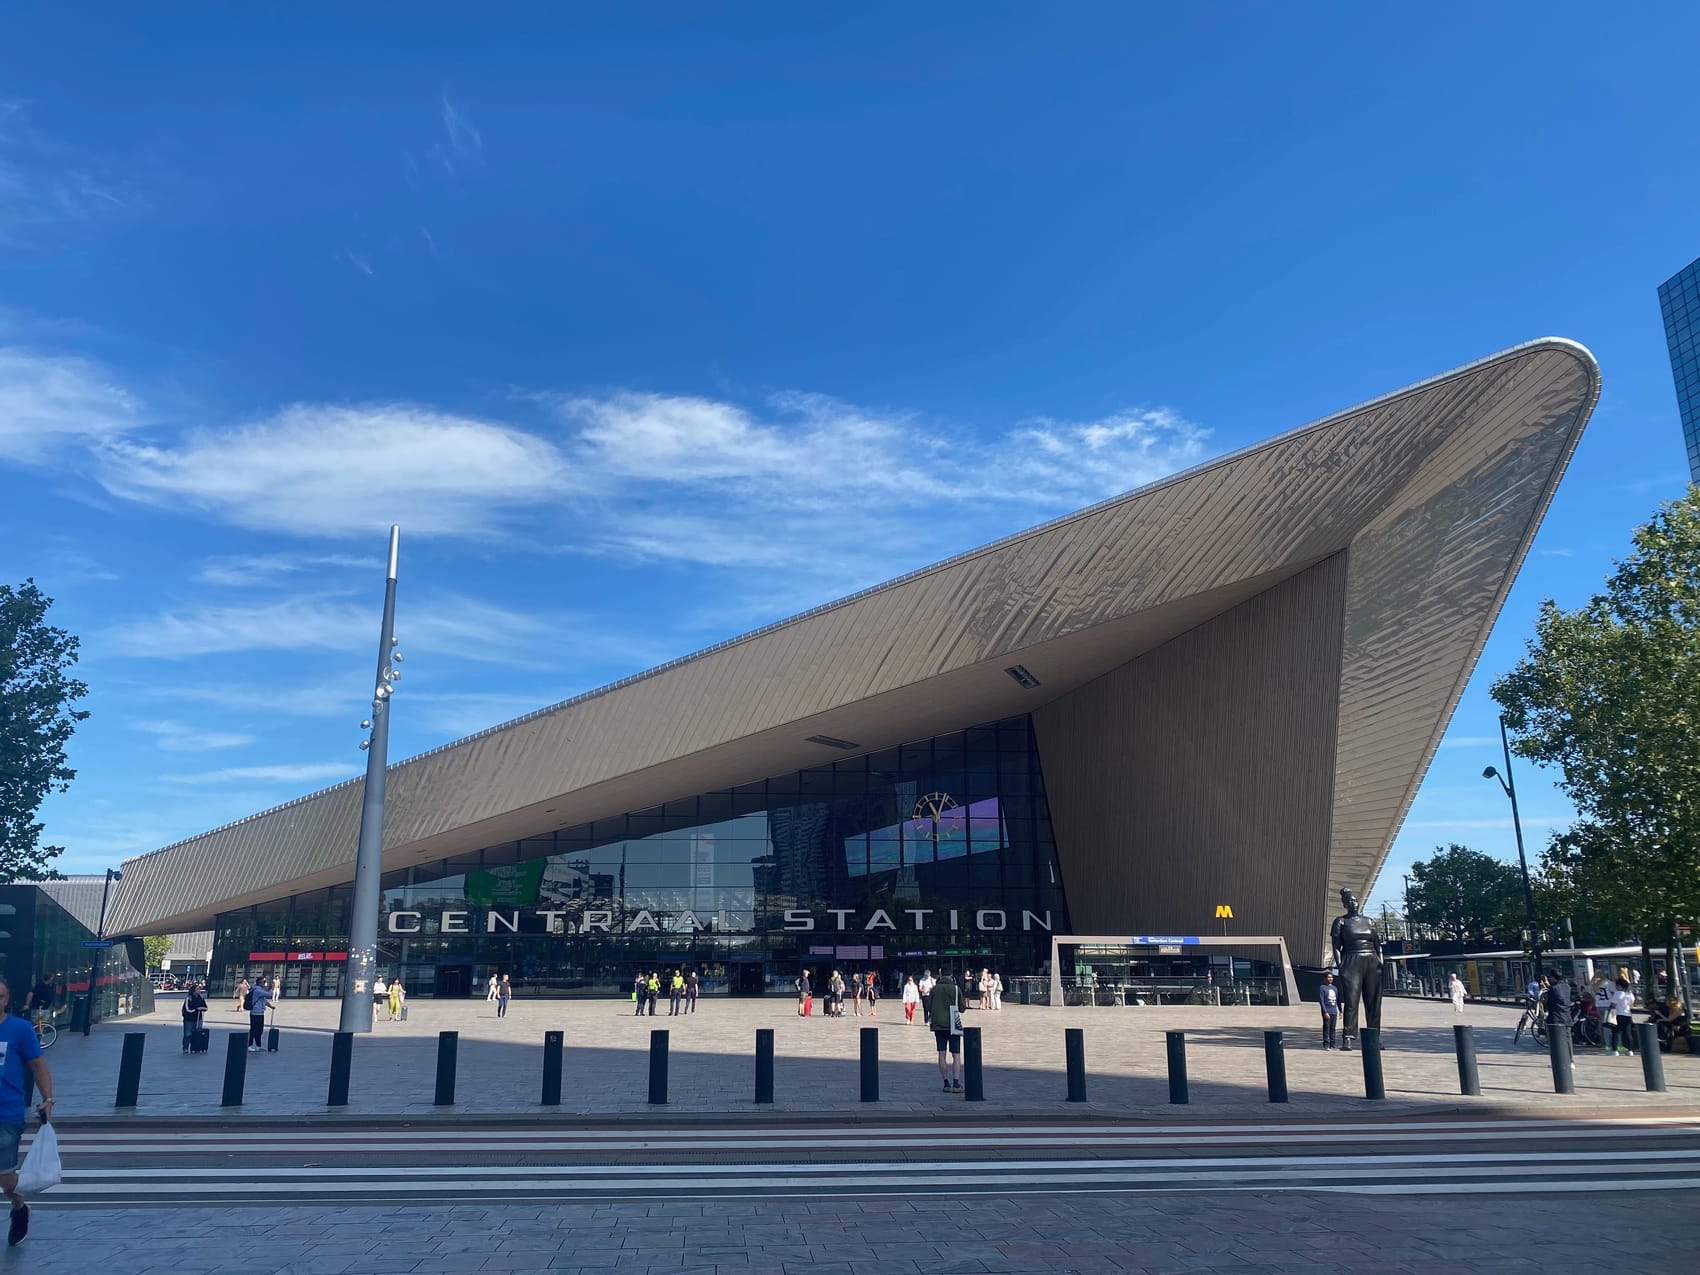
(248, 999)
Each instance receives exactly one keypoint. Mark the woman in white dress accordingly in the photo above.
(1456, 986)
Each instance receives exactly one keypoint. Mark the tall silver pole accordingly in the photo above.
(368, 858)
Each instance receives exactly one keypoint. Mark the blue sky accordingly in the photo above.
(650, 327)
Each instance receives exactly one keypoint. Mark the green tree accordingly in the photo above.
(1610, 693)
(154, 949)
(36, 721)
(1467, 895)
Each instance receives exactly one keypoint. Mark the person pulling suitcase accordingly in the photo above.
(194, 1009)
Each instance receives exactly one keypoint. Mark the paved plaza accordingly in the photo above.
(933, 1232)
(816, 1071)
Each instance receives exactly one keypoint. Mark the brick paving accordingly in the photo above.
(929, 1234)
(712, 1068)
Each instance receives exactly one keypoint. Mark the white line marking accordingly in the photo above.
(775, 1184)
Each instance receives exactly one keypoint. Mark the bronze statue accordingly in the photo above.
(1357, 957)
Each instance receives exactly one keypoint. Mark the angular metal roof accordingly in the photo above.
(1434, 492)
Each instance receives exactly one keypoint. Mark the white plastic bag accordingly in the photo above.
(41, 1166)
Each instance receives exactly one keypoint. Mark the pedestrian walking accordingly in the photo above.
(400, 997)
(490, 991)
(194, 1010)
(1622, 1019)
(870, 990)
(691, 990)
(259, 997)
(380, 997)
(640, 993)
(911, 998)
(20, 1049)
(1455, 989)
(652, 991)
(927, 984)
(395, 1000)
(997, 990)
(1328, 996)
(676, 994)
(241, 996)
(835, 996)
(856, 994)
(504, 994)
(944, 1016)
(805, 998)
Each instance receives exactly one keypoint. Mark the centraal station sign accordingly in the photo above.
(797, 920)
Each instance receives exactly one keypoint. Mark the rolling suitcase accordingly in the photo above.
(199, 1040)
(271, 1041)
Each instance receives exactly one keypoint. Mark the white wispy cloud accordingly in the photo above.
(46, 184)
(1469, 741)
(466, 628)
(179, 737)
(311, 773)
(828, 488)
(48, 401)
(317, 470)
(1556, 553)
(463, 137)
(251, 570)
(312, 700)
(360, 261)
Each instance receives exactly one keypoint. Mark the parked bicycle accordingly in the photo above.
(1532, 1025)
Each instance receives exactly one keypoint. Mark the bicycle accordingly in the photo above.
(45, 1032)
(1533, 1023)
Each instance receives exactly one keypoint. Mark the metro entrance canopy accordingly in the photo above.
(1226, 685)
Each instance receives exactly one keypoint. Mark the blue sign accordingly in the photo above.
(1161, 940)
(94, 943)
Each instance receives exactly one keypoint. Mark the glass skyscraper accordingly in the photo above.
(1679, 304)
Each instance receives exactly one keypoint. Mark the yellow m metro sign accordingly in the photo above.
(1224, 912)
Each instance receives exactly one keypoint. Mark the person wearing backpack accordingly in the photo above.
(805, 998)
(194, 1007)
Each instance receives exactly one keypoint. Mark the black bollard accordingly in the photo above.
(235, 1069)
(130, 1069)
(342, 1065)
(1176, 1044)
(1275, 1065)
(973, 1080)
(1464, 1041)
(448, 1044)
(870, 1064)
(1369, 1041)
(764, 1064)
(552, 1046)
(1558, 1050)
(1652, 1066)
(658, 1066)
(1074, 1047)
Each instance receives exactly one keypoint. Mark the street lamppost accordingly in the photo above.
(368, 858)
(1510, 785)
(112, 874)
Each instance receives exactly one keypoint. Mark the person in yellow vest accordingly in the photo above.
(654, 990)
(676, 993)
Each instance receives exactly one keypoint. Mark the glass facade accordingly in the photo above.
(1679, 306)
(39, 939)
(936, 853)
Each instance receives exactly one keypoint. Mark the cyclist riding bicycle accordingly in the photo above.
(39, 1002)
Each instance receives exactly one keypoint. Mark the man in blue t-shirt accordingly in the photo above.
(19, 1048)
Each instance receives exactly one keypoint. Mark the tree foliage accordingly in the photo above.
(1469, 896)
(36, 721)
(154, 949)
(1610, 693)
